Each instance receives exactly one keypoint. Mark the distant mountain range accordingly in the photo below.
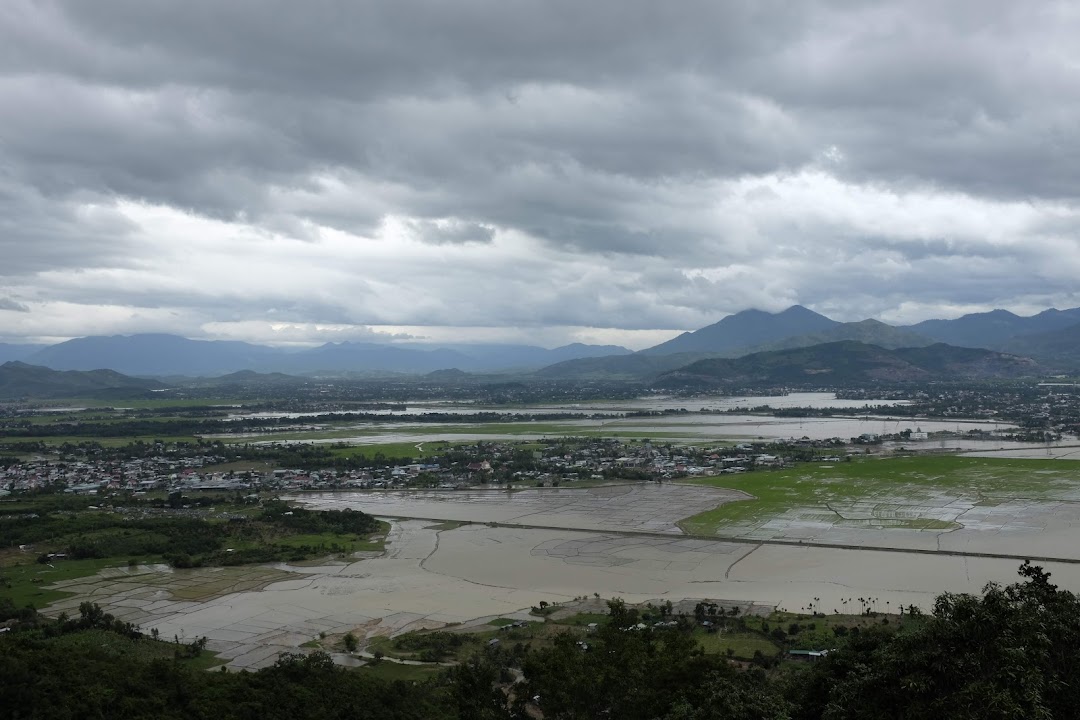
(1056, 348)
(637, 366)
(1051, 337)
(170, 355)
(747, 329)
(755, 331)
(833, 364)
(848, 362)
(9, 351)
(19, 380)
(996, 328)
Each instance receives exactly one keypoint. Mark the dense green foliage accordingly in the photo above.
(183, 540)
(633, 672)
(59, 685)
(1009, 653)
(433, 646)
(847, 363)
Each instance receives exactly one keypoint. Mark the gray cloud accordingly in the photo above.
(13, 305)
(611, 164)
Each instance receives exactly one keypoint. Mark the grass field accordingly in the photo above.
(742, 644)
(902, 492)
(347, 541)
(27, 583)
(103, 642)
(447, 645)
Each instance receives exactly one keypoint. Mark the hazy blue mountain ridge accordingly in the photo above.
(154, 354)
(871, 332)
(171, 355)
(996, 328)
(623, 367)
(20, 380)
(493, 356)
(1059, 348)
(13, 351)
(849, 362)
(745, 330)
(1050, 337)
(734, 337)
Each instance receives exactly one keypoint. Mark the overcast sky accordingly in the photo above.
(549, 172)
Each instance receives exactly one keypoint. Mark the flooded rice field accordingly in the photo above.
(823, 428)
(705, 418)
(619, 541)
(431, 577)
(643, 507)
(964, 519)
(690, 428)
(1067, 449)
(652, 403)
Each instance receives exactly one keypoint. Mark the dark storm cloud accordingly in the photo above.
(626, 134)
(974, 95)
(40, 232)
(452, 232)
(361, 50)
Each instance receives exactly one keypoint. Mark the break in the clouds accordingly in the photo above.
(611, 171)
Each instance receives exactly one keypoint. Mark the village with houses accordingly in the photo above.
(525, 464)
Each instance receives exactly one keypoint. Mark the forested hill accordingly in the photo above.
(1059, 348)
(19, 380)
(623, 367)
(848, 362)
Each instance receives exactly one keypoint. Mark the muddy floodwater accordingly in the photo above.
(644, 507)
(691, 427)
(706, 418)
(614, 541)
(728, 426)
(652, 403)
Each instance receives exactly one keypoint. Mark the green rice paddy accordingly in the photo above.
(898, 492)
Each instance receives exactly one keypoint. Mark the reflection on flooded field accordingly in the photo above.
(432, 575)
(716, 422)
(690, 428)
(645, 507)
(823, 428)
(554, 545)
(1060, 450)
(654, 403)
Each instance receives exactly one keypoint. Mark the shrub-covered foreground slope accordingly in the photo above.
(1009, 653)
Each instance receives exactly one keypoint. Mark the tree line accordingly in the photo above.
(1010, 652)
